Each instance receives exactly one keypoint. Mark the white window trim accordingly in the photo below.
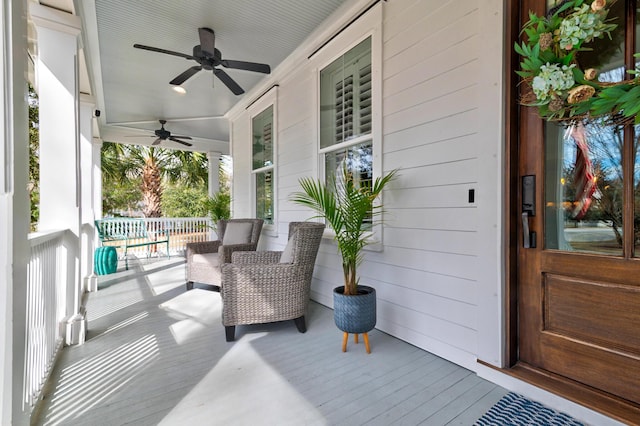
(369, 25)
(270, 98)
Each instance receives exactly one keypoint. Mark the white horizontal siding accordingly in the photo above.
(430, 124)
(435, 284)
(448, 264)
(443, 219)
(440, 151)
(431, 273)
(459, 124)
(413, 47)
(394, 316)
(417, 85)
(461, 98)
(421, 195)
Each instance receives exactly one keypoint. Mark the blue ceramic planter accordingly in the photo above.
(105, 260)
(355, 314)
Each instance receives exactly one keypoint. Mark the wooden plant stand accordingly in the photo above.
(345, 338)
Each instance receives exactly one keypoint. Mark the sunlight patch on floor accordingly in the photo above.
(163, 280)
(269, 398)
(195, 310)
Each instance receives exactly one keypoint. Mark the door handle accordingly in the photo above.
(528, 209)
(528, 237)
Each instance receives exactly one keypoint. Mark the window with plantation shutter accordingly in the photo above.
(262, 164)
(346, 115)
(345, 92)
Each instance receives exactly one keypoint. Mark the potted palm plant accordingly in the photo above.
(350, 209)
(219, 206)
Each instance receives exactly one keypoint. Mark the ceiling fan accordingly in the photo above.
(208, 58)
(162, 135)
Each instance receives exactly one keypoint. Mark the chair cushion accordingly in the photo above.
(287, 253)
(237, 233)
(211, 259)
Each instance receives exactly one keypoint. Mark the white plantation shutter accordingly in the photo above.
(365, 99)
(268, 143)
(353, 104)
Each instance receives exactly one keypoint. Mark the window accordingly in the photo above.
(346, 115)
(345, 97)
(263, 142)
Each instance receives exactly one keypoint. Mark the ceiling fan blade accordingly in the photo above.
(185, 75)
(207, 41)
(156, 142)
(228, 81)
(249, 66)
(168, 52)
(172, 138)
(181, 137)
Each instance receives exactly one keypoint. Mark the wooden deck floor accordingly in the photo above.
(156, 354)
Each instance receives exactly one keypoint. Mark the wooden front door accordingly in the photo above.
(579, 195)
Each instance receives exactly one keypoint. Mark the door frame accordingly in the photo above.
(511, 211)
(589, 397)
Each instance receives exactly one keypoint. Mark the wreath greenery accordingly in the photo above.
(556, 84)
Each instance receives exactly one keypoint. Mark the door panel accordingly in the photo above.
(579, 285)
(591, 311)
(605, 369)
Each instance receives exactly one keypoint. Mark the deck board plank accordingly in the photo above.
(474, 411)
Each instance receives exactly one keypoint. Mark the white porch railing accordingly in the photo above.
(181, 230)
(51, 292)
(48, 276)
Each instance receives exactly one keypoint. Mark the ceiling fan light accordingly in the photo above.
(179, 89)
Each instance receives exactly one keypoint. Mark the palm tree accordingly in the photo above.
(153, 165)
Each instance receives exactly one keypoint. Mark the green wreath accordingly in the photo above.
(556, 84)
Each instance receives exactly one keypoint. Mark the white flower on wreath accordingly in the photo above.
(581, 26)
(551, 79)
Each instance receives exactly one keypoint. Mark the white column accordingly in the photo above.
(60, 160)
(97, 177)
(214, 180)
(14, 209)
(56, 70)
(87, 214)
(96, 201)
(214, 170)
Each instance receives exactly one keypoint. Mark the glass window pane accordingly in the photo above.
(262, 126)
(636, 162)
(357, 159)
(636, 193)
(583, 188)
(604, 54)
(264, 196)
(345, 96)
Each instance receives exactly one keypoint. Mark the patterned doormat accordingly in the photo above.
(516, 410)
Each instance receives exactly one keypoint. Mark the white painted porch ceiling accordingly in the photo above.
(131, 85)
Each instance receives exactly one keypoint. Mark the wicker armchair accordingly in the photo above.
(268, 286)
(204, 258)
